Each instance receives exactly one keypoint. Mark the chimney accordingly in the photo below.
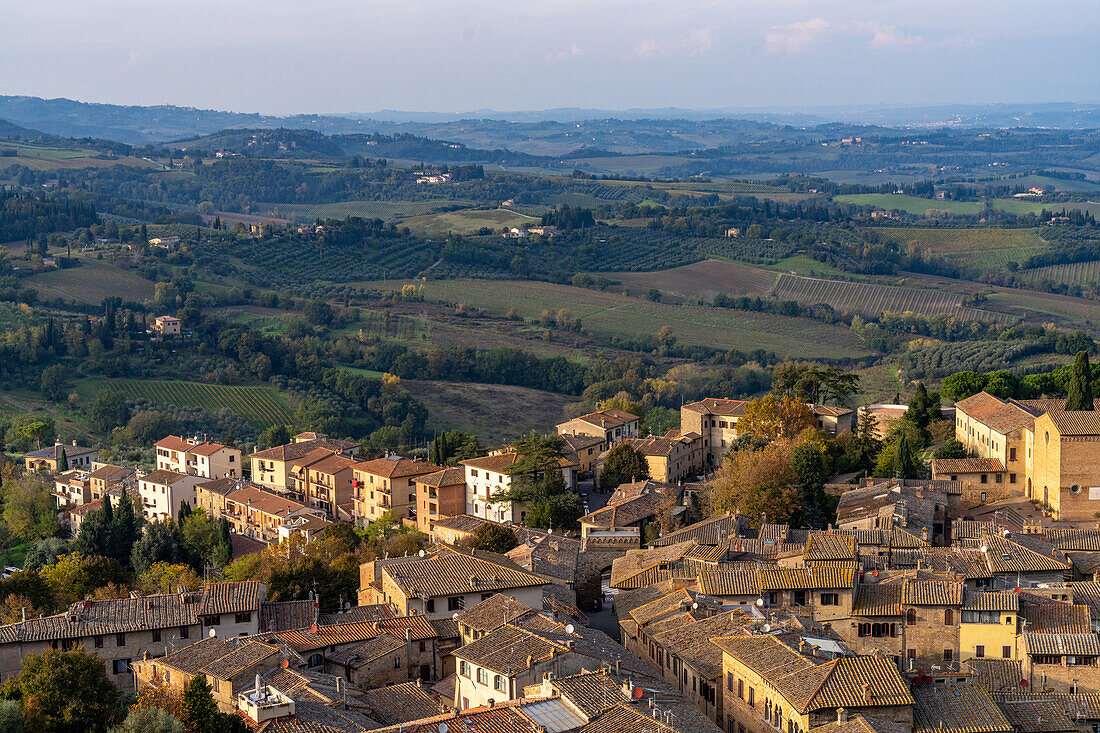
(803, 647)
(259, 689)
(841, 715)
(24, 614)
(618, 666)
(339, 684)
(866, 692)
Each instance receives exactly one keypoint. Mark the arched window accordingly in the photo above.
(911, 617)
(948, 617)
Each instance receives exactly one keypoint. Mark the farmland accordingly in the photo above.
(701, 280)
(1084, 274)
(612, 316)
(467, 221)
(983, 249)
(261, 405)
(388, 210)
(93, 281)
(909, 204)
(865, 297)
(493, 412)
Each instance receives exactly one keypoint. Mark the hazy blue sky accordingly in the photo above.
(277, 56)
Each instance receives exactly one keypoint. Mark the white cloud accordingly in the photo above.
(135, 59)
(805, 35)
(694, 42)
(797, 37)
(573, 50)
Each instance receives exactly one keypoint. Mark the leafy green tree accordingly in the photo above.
(197, 706)
(106, 411)
(274, 435)
(814, 383)
(538, 484)
(11, 717)
(897, 459)
(808, 463)
(454, 446)
(924, 407)
(622, 464)
(160, 542)
(54, 382)
(953, 448)
(492, 538)
(44, 552)
(961, 385)
(15, 436)
(30, 509)
(36, 431)
(146, 428)
(65, 692)
(1079, 389)
(149, 720)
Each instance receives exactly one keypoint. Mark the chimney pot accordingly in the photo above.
(841, 715)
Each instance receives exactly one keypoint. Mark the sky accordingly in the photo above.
(340, 56)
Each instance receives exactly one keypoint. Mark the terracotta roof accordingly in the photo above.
(247, 653)
(605, 419)
(625, 719)
(714, 531)
(932, 592)
(162, 478)
(830, 547)
(452, 573)
(494, 612)
(355, 614)
(509, 649)
(444, 477)
(173, 442)
(1004, 417)
(53, 452)
(966, 465)
(294, 451)
(246, 595)
(111, 473)
(332, 464)
(415, 628)
(400, 703)
(883, 599)
(956, 709)
(991, 601)
(285, 615)
(628, 512)
(860, 724)
(301, 640)
(1062, 644)
(717, 406)
(807, 578)
(365, 652)
(1006, 556)
(253, 497)
(194, 657)
(1037, 716)
(997, 675)
(546, 554)
(810, 685)
(461, 523)
(730, 583)
(580, 442)
(1076, 423)
(1069, 539)
(503, 462)
(397, 467)
(1056, 618)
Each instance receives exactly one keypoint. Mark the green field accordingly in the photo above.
(1066, 311)
(985, 249)
(910, 204)
(388, 210)
(866, 298)
(699, 280)
(493, 412)
(467, 221)
(93, 281)
(261, 405)
(608, 315)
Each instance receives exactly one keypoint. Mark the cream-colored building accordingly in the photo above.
(197, 457)
(271, 467)
(162, 492)
(491, 475)
(166, 326)
(612, 426)
(387, 485)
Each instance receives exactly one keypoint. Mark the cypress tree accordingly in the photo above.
(905, 464)
(1079, 389)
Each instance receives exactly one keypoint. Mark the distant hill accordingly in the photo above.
(10, 129)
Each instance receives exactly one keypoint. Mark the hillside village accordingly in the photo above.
(965, 602)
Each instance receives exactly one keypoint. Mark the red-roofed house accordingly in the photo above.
(196, 457)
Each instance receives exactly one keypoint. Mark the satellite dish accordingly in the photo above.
(569, 628)
(760, 602)
(984, 548)
(443, 728)
(213, 633)
(454, 615)
(422, 554)
(767, 628)
(694, 606)
(347, 605)
(638, 692)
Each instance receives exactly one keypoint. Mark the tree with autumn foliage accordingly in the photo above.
(773, 417)
(756, 482)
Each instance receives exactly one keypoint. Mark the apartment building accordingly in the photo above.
(162, 492)
(387, 485)
(322, 479)
(611, 426)
(271, 467)
(197, 457)
(492, 475)
(439, 494)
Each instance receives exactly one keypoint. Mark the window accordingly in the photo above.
(397, 662)
(830, 599)
(243, 618)
(482, 676)
(422, 647)
(911, 617)
(121, 666)
(184, 632)
(486, 596)
(1006, 651)
(979, 651)
(464, 668)
(1012, 457)
(729, 678)
(997, 478)
(98, 642)
(1011, 478)
(120, 639)
(741, 689)
(215, 684)
(156, 635)
(211, 620)
(948, 617)
(498, 682)
(456, 603)
(429, 605)
(798, 598)
(985, 478)
(948, 655)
